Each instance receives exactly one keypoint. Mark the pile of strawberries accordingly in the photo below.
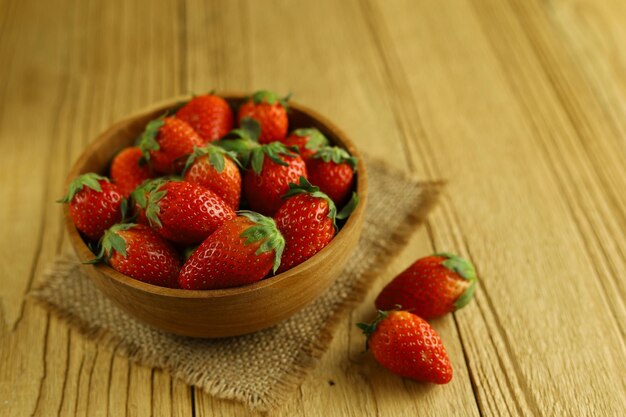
(205, 202)
(400, 337)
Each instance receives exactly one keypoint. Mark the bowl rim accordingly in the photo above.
(84, 253)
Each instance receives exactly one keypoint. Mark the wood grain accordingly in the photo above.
(519, 104)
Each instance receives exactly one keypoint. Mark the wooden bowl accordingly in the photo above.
(228, 312)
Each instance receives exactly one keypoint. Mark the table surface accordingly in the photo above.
(519, 104)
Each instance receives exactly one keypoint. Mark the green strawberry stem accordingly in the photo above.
(265, 229)
(89, 180)
(370, 328)
(337, 155)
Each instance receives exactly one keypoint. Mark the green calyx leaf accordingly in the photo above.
(465, 270)
(264, 230)
(466, 297)
(264, 96)
(305, 187)
(147, 140)
(242, 141)
(316, 140)
(370, 328)
(337, 155)
(269, 97)
(89, 180)
(215, 154)
(112, 241)
(124, 209)
(256, 160)
(461, 266)
(273, 151)
(347, 210)
(148, 195)
(241, 148)
(249, 129)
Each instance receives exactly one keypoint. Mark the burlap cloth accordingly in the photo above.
(259, 369)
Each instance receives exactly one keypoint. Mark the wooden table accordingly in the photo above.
(519, 104)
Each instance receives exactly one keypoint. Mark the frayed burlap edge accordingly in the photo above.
(309, 354)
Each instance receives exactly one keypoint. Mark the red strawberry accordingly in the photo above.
(128, 170)
(307, 222)
(332, 169)
(408, 346)
(270, 111)
(273, 168)
(308, 141)
(272, 165)
(431, 287)
(139, 252)
(166, 142)
(95, 204)
(241, 251)
(216, 169)
(209, 115)
(180, 211)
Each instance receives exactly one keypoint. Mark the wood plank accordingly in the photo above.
(593, 103)
(510, 213)
(349, 84)
(74, 69)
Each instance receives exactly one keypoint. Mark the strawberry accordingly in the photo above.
(241, 251)
(95, 204)
(128, 170)
(307, 141)
(332, 169)
(307, 221)
(166, 142)
(408, 346)
(216, 169)
(209, 115)
(270, 111)
(273, 168)
(431, 287)
(180, 211)
(139, 252)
